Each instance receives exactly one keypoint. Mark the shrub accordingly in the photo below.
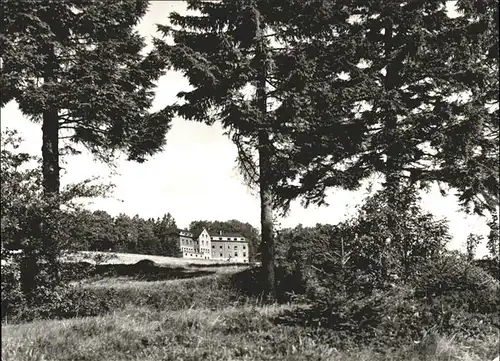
(12, 295)
(458, 283)
(492, 266)
(76, 271)
(63, 303)
(388, 319)
(383, 245)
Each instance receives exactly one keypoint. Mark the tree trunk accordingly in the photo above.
(39, 267)
(392, 171)
(266, 220)
(266, 210)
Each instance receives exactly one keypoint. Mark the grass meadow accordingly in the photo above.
(204, 318)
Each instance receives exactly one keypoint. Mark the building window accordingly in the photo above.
(235, 239)
(213, 246)
(228, 246)
(244, 247)
(221, 254)
(221, 247)
(191, 255)
(236, 254)
(185, 254)
(235, 247)
(244, 254)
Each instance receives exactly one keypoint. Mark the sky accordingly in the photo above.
(195, 177)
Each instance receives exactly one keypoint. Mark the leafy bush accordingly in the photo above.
(458, 283)
(381, 246)
(384, 277)
(388, 318)
(492, 266)
(76, 271)
(12, 295)
(62, 303)
(33, 222)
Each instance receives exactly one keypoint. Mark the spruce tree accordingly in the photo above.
(343, 89)
(221, 51)
(78, 69)
(420, 88)
(234, 57)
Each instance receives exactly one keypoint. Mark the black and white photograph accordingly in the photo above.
(250, 180)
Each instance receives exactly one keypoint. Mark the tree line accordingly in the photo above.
(99, 231)
(80, 228)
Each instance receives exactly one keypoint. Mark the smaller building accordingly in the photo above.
(232, 247)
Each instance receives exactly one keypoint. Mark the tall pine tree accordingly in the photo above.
(238, 56)
(78, 68)
(420, 88)
(222, 51)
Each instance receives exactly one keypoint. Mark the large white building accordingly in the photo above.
(231, 247)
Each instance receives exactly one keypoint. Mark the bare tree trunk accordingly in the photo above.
(39, 266)
(51, 183)
(266, 220)
(266, 214)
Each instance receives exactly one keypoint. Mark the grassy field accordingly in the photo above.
(203, 318)
(131, 258)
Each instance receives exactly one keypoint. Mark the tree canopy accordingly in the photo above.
(84, 62)
(321, 94)
(79, 69)
(418, 87)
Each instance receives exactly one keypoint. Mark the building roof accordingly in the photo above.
(214, 237)
(214, 234)
(228, 241)
(198, 233)
(178, 231)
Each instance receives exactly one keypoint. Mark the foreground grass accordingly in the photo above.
(213, 292)
(233, 333)
(203, 318)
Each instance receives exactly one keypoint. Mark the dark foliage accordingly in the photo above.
(56, 303)
(94, 76)
(489, 265)
(459, 284)
(379, 247)
(399, 89)
(77, 69)
(24, 206)
(99, 231)
(365, 287)
(85, 300)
